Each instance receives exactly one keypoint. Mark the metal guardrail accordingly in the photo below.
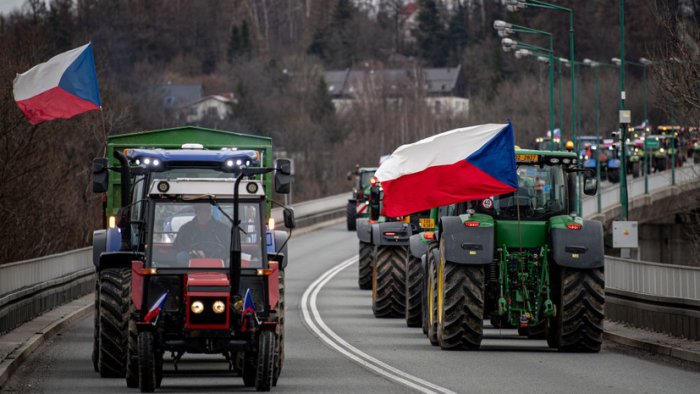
(653, 279)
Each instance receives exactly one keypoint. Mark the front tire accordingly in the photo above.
(461, 314)
(432, 300)
(279, 359)
(364, 279)
(115, 289)
(266, 361)
(388, 282)
(147, 362)
(96, 329)
(132, 357)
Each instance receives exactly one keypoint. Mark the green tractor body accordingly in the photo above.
(358, 205)
(523, 260)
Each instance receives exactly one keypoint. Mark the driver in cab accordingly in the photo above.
(202, 237)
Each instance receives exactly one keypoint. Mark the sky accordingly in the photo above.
(6, 6)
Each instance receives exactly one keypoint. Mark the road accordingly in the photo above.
(386, 346)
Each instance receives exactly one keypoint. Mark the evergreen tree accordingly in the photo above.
(334, 43)
(457, 34)
(234, 44)
(246, 43)
(431, 34)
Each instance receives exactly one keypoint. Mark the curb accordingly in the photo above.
(655, 348)
(14, 359)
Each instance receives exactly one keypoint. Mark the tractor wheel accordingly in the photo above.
(266, 361)
(351, 215)
(432, 300)
(132, 354)
(460, 304)
(279, 359)
(578, 326)
(96, 330)
(414, 290)
(147, 362)
(250, 364)
(388, 282)
(424, 296)
(364, 279)
(115, 288)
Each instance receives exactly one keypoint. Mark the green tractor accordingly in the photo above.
(358, 205)
(523, 259)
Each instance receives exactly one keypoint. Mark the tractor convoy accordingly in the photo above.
(189, 262)
(524, 260)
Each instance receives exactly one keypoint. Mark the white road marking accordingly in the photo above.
(313, 320)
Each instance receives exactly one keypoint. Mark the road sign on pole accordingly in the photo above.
(651, 143)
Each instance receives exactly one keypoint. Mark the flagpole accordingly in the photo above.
(104, 131)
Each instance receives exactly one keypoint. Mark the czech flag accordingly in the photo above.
(156, 308)
(248, 309)
(455, 166)
(63, 87)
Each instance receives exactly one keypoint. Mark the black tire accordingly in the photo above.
(424, 296)
(351, 215)
(250, 364)
(431, 298)
(266, 361)
(147, 362)
(115, 289)
(388, 282)
(279, 357)
(364, 279)
(461, 318)
(414, 291)
(96, 330)
(132, 356)
(578, 326)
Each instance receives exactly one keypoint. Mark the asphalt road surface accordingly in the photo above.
(334, 344)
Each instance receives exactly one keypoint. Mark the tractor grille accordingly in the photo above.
(207, 316)
(159, 284)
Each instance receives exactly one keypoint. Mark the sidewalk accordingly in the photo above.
(653, 342)
(18, 344)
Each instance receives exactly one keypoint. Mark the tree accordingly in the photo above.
(457, 35)
(431, 34)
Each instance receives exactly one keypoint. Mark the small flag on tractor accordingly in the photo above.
(248, 309)
(156, 308)
(62, 87)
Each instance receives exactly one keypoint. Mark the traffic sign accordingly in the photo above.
(651, 143)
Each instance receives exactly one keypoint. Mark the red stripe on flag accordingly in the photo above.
(438, 186)
(52, 104)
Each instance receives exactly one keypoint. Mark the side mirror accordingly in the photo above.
(288, 214)
(349, 175)
(100, 174)
(283, 176)
(590, 184)
(374, 202)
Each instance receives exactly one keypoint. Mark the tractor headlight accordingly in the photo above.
(197, 307)
(219, 307)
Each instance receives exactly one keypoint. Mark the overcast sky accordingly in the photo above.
(8, 5)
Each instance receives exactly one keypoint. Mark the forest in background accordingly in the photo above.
(272, 54)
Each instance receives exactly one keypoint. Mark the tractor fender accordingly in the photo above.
(467, 245)
(364, 230)
(118, 260)
(417, 246)
(106, 240)
(581, 249)
(401, 233)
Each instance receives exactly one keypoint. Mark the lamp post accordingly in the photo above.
(517, 5)
(623, 124)
(504, 30)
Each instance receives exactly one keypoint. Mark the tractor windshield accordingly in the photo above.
(186, 230)
(365, 176)
(541, 194)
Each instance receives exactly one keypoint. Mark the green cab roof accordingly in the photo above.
(175, 137)
(546, 153)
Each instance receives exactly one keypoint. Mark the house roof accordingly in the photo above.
(436, 80)
(175, 95)
(226, 98)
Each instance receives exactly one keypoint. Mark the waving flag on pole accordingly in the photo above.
(458, 165)
(63, 87)
(156, 308)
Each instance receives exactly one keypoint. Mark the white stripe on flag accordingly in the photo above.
(441, 149)
(44, 76)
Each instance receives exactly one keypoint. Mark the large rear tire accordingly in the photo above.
(578, 326)
(115, 289)
(132, 356)
(147, 362)
(431, 299)
(266, 361)
(351, 215)
(388, 282)
(414, 290)
(461, 304)
(364, 279)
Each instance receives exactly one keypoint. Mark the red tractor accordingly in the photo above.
(207, 277)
